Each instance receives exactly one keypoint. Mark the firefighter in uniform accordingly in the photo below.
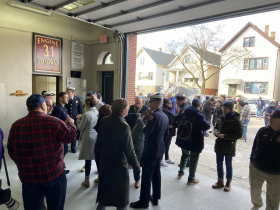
(74, 108)
(156, 130)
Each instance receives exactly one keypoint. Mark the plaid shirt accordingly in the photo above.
(35, 145)
(246, 113)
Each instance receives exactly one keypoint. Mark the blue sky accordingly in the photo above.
(231, 27)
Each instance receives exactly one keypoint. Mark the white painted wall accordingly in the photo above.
(263, 48)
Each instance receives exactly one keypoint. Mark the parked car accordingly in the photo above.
(253, 107)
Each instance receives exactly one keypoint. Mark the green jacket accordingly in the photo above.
(233, 130)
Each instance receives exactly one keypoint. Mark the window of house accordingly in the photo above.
(145, 75)
(108, 59)
(255, 63)
(142, 61)
(191, 79)
(141, 88)
(196, 79)
(148, 89)
(249, 42)
(254, 87)
(186, 79)
(187, 59)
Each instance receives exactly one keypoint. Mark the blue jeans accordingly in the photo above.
(245, 127)
(54, 191)
(259, 112)
(220, 168)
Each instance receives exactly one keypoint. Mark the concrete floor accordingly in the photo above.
(176, 195)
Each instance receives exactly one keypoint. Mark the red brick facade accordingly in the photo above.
(131, 67)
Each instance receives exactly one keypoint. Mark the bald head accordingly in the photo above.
(49, 104)
(138, 102)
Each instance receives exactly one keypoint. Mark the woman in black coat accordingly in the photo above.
(166, 108)
(217, 112)
(105, 110)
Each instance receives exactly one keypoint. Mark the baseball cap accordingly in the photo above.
(275, 114)
(98, 96)
(35, 100)
(91, 93)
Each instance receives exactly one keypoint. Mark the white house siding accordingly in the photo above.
(160, 75)
(262, 48)
(149, 66)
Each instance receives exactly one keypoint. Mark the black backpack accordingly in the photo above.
(185, 127)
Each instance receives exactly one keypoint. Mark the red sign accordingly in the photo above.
(47, 54)
(103, 39)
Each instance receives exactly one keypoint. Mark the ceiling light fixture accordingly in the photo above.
(29, 8)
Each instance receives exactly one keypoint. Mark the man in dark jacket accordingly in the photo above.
(182, 105)
(138, 136)
(156, 131)
(207, 111)
(193, 148)
(228, 129)
(265, 164)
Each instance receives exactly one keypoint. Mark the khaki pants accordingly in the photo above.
(257, 178)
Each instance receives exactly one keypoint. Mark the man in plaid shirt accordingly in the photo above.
(35, 144)
(245, 118)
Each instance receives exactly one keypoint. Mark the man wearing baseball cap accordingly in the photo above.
(265, 164)
(35, 144)
(93, 94)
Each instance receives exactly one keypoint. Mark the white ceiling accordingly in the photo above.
(213, 10)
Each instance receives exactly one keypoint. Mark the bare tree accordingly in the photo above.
(200, 46)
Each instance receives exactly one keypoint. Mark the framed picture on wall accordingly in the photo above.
(47, 54)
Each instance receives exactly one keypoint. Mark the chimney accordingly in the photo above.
(172, 53)
(273, 35)
(266, 29)
(159, 49)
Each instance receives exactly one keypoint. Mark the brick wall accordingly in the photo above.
(131, 68)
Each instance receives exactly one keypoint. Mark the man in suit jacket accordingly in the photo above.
(74, 108)
(156, 130)
(138, 136)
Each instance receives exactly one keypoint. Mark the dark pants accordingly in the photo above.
(54, 191)
(65, 149)
(97, 154)
(138, 153)
(167, 143)
(87, 167)
(150, 176)
(220, 168)
(194, 157)
(73, 144)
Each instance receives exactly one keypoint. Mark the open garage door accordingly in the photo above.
(143, 16)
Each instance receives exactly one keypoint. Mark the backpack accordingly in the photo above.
(185, 127)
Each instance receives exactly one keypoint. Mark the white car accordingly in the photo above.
(253, 107)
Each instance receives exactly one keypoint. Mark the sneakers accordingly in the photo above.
(169, 161)
(83, 169)
(195, 181)
(219, 184)
(180, 176)
(164, 164)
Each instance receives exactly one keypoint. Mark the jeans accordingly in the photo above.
(101, 207)
(220, 168)
(194, 157)
(54, 191)
(259, 112)
(87, 167)
(245, 128)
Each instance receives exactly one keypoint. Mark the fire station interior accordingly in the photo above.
(107, 31)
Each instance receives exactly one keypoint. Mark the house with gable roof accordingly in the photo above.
(181, 81)
(149, 70)
(258, 75)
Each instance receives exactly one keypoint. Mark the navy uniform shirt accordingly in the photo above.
(60, 112)
(156, 131)
(74, 107)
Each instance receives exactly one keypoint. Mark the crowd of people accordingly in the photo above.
(119, 137)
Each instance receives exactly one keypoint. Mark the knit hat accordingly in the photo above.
(207, 97)
(229, 104)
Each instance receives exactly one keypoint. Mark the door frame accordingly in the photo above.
(103, 81)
